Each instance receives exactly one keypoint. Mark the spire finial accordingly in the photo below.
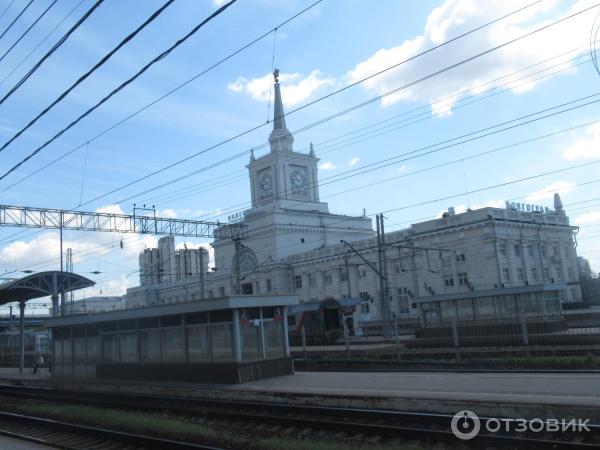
(252, 158)
(312, 149)
(558, 206)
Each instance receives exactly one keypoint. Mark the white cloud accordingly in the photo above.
(110, 209)
(547, 193)
(587, 147)
(588, 218)
(294, 87)
(455, 17)
(327, 165)
(219, 3)
(403, 168)
(353, 161)
(167, 213)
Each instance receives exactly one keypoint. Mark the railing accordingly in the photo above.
(483, 339)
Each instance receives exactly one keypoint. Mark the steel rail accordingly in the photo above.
(391, 424)
(65, 435)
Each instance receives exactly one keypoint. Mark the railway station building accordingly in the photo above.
(489, 262)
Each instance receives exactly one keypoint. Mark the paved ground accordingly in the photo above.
(14, 444)
(531, 388)
(579, 389)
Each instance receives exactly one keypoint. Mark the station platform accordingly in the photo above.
(528, 395)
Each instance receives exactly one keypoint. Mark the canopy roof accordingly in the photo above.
(41, 284)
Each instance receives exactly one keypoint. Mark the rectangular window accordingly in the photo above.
(327, 278)
(397, 266)
(463, 279)
(211, 293)
(362, 272)
(505, 274)
(555, 251)
(570, 273)
(448, 280)
(365, 300)
(530, 251)
(543, 250)
(343, 274)
(502, 249)
(222, 291)
(517, 250)
(312, 280)
(268, 286)
(460, 257)
(558, 274)
(546, 274)
(298, 281)
(198, 343)
(520, 274)
(534, 273)
(403, 301)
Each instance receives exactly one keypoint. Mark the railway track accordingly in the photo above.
(347, 422)
(69, 436)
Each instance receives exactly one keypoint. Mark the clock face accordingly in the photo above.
(298, 179)
(265, 184)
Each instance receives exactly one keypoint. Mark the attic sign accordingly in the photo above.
(526, 207)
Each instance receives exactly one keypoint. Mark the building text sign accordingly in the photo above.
(526, 207)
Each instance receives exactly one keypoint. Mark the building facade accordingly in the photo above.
(489, 257)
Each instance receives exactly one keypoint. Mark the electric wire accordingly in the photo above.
(355, 84)
(343, 144)
(44, 39)
(162, 97)
(49, 53)
(28, 30)
(87, 74)
(158, 58)
(6, 9)
(331, 117)
(10, 25)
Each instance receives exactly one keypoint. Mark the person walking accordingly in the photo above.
(39, 363)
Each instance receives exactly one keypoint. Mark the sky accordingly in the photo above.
(473, 123)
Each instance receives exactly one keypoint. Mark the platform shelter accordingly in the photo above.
(222, 340)
(37, 285)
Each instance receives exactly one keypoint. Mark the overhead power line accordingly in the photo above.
(6, 9)
(44, 39)
(28, 29)
(162, 97)
(304, 106)
(86, 75)
(120, 87)
(345, 111)
(49, 53)
(16, 18)
(392, 124)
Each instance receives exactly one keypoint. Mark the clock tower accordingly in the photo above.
(286, 216)
(284, 177)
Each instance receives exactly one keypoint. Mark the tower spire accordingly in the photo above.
(280, 139)
(279, 115)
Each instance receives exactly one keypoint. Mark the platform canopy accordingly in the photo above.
(41, 284)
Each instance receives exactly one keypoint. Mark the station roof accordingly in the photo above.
(41, 284)
(171, 309)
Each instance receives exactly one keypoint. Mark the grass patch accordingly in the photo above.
(180, 428)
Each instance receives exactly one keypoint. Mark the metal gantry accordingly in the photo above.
(24, 216)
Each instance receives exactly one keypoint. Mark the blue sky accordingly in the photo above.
(330, 46)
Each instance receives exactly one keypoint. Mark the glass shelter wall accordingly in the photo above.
(496, 307)
(188, 338)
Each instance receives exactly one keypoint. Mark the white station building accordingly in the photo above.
(484, 263)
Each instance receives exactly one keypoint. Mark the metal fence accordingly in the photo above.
(525, 336)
